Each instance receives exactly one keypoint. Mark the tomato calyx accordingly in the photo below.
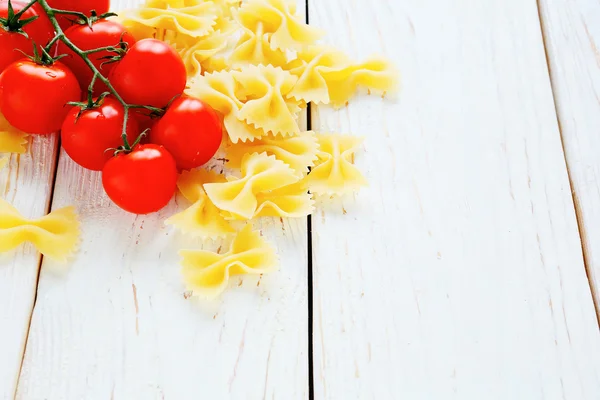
(43, 58)
(120, 50)
(89, 104)
(93, 18)
(14, 23)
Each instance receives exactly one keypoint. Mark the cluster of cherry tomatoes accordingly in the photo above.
(149, 78)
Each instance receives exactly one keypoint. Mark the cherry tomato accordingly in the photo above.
(40, 31)
(34, 97)
(83, 6)
(103, 33)
(151, 74)
(191, 130)
(143, 181)
(87, 137)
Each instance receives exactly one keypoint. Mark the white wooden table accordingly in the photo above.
(467, 270)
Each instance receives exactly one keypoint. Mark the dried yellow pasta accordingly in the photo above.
(264, 89)
(254, 48)
(286, 29)
(335, 173)
(327, 76)
(261, 174)
(194, 19)
(207, 274)
(12, 140)
(202, 219)
(197, 56)
(55, 236)
(299, 152)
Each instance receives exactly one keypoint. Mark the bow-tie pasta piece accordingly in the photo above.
(55, 236)
(292, 201)
(198, 53)
(191, 18)
(207, 274)
(221, 91)
(264, 92)
(299, 152)
(260, 174)
(327, 76)
(286, 29)
(202, 219)
(12, 140)
(254, 48)
(335, 173)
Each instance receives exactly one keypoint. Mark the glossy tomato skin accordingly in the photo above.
(103, 33)
(190, 130)
(87, 137)
(34, 98)
(40, 31)
(143, 181)
(83, 6)
(152, 73)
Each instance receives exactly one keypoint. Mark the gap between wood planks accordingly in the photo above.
(576, 204)
(311, 367)
(39, 268)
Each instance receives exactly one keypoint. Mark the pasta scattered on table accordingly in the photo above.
(207, 274)
(55, 236)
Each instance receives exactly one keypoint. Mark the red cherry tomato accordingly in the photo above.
(143, 181)
(191, 130)
(151, 74)
(87, 137)
(83, 6)
(40, 31)
(103, 33)
(34, 97)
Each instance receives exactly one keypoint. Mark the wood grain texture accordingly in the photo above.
(27, 184)
(572, 33)
(118, 323)
(459, 273)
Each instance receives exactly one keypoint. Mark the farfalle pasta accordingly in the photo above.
(252, 100)
(278, 18)
(202, 219)
(254, 48)
(12, 140)
(260, 174)
(327, 76)
(194, 18)
(334, 173)
(207, 274)
(299, 152)
(55, 236)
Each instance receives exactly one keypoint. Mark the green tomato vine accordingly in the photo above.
(119, 51)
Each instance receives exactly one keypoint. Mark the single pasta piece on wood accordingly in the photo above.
(202, 219)
(55, 236)
(327, 76)
(207, 274)
(335, 173)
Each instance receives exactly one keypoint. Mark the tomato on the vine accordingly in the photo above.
(12, 42)
(34, 97)
(82, 6)
(152, 73)
(191, 130)
(143, 181)
(87, 136)
(102, 33)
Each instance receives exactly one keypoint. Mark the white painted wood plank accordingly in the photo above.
(27, 184)
(458, 274)
(572, 32)
(118, 325)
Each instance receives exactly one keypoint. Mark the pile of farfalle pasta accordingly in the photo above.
(259, 65)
